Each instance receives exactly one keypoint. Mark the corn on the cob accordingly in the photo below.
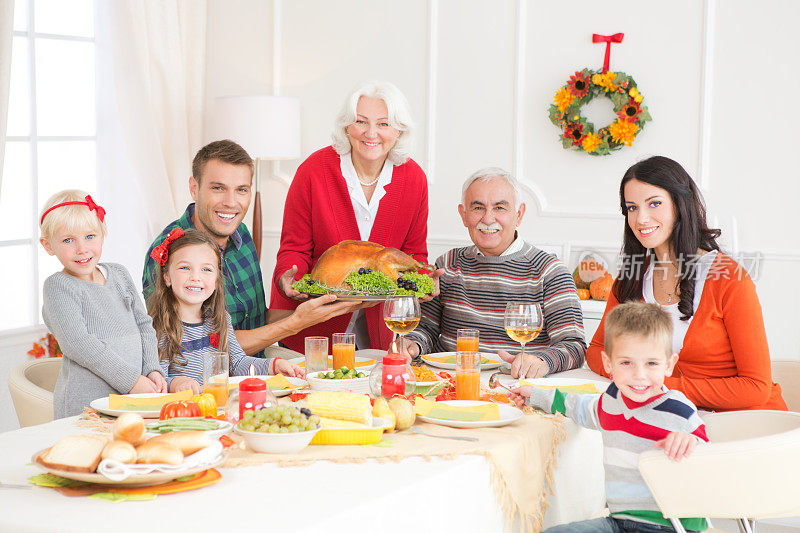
(341, 406)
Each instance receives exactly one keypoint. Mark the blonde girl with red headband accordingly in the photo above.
(93, 310)
(189, 314)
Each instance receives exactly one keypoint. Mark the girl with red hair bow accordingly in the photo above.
(93, 310)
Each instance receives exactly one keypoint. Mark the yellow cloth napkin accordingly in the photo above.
(478, 413)
(452, 359)
(583, 388)
(121, 402)
(302, 364)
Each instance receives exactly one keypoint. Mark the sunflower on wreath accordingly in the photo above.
(580, 134)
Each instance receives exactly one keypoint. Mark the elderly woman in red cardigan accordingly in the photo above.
(363, 187)
(671, 258)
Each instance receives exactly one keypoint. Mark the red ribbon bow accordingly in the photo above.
(608, 39)
(161, 252)
(214, 340)
(101, 213)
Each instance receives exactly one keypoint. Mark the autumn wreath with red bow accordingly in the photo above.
(578, 133)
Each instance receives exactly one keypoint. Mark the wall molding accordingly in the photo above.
(543, 205)
(518, 137)
(707, 75)
(433, 62)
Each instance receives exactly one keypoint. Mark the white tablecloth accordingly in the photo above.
(413, 495)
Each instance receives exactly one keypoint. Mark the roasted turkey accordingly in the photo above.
(340, 260)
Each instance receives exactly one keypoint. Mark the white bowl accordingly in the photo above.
(360, 385)
(276, 442)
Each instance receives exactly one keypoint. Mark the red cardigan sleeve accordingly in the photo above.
(297, 242)
(593, 356)
(751, 387)
(415, 243)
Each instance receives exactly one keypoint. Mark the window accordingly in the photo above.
(51, 140)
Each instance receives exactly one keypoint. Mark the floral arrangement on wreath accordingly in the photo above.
(581, 88)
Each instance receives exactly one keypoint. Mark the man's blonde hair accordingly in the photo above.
(638, 319)
(69, 218)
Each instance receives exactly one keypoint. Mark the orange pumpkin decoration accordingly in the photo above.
(579, 283)
(601, 288)
(584, 294)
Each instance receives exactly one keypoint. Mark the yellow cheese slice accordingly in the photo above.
(583, 388)
(121, 402)
(479, 413)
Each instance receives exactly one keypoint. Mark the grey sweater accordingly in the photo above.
(105, 334)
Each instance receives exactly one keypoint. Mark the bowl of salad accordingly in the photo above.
(341, 379)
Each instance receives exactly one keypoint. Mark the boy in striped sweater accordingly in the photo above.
(636, 413)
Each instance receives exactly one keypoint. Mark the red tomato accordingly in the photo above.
(180, 409)
(226, 441)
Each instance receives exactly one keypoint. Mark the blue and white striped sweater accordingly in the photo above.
(196, 342)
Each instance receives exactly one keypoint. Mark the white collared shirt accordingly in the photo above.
(365, 211)
(513, 248)
(365, 218)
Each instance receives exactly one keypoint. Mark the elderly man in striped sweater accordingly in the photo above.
(479, 280)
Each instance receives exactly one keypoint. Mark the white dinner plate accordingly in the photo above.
(494, 358)
(367, 362)
(508, 415)
(101, 404)
(224, 427)
(298, 383)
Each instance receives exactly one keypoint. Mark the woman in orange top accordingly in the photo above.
(671, 257)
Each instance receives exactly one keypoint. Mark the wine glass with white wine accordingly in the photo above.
(401, 314)
(523, 322)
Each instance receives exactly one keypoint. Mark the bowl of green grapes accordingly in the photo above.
(278, 429)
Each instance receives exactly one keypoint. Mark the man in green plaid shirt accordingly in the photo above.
(222, 174)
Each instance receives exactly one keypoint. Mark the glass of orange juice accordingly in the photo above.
(467, 340)
(468, 376)
(215, 375)
(344, 350)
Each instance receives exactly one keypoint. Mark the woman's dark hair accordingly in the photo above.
(689, 234)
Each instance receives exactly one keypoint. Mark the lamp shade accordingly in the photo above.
(268, 127)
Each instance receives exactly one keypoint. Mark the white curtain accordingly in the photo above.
(150, 81)
(6, 34)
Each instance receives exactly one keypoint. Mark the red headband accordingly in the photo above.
(161, 252)
(101, 213)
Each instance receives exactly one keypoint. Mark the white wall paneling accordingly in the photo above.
(479, 77)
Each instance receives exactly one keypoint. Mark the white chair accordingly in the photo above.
(786, 373)
(749, 471)
(31, 386)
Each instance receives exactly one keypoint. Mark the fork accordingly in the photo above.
(415, 429)
(13, 486)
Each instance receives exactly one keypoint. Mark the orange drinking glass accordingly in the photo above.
(215, 376)
(344, 350)
(467, 340)
(468, 376)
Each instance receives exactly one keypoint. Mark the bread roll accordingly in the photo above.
(76, 453)
(130, 427)
(187, 442)
(158, 452)
(119, 450)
